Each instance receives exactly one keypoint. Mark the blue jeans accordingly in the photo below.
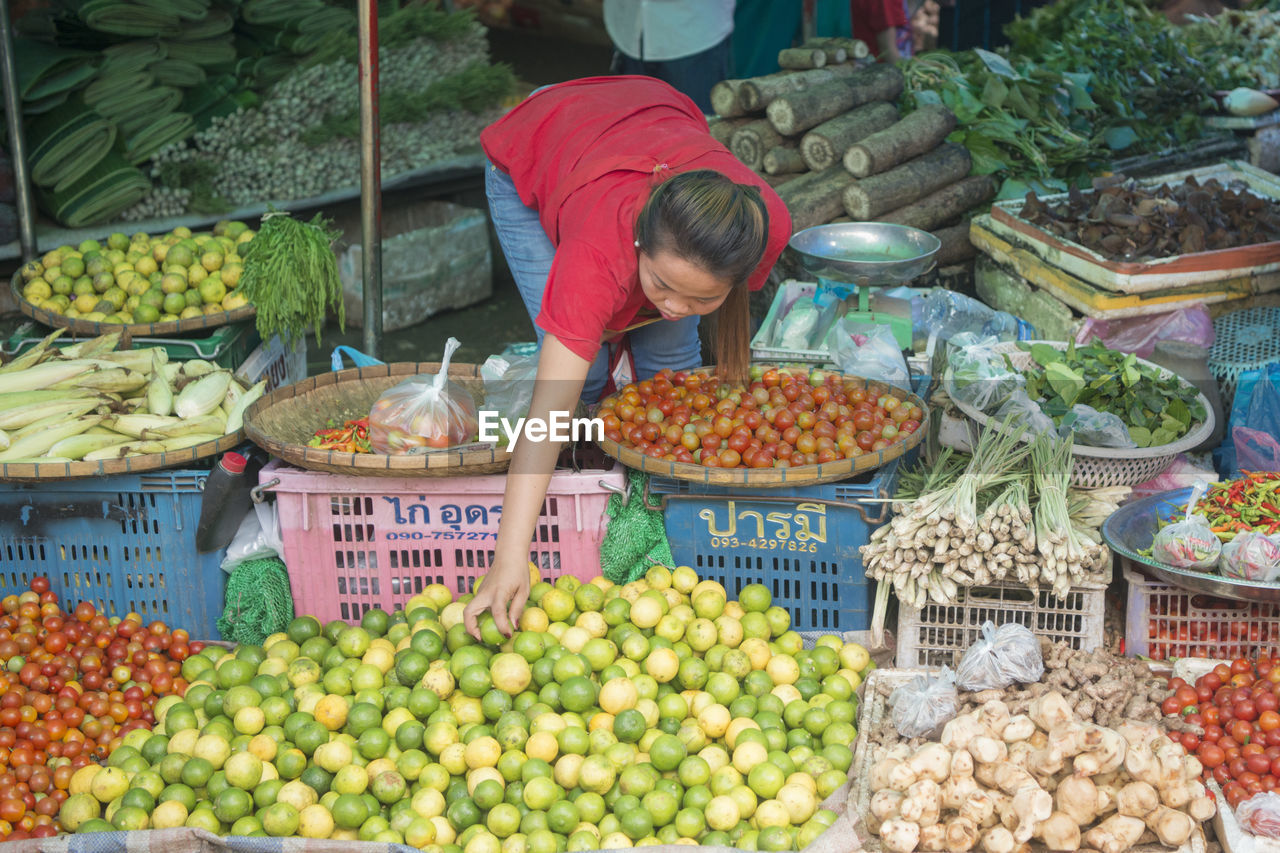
(529, 254)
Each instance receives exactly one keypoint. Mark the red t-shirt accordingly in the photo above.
(872, 17)
(586, 154)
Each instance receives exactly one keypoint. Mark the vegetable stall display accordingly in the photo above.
(1004, 513)
(783, 418)
(1237, 707)
(1104, 398)
(997, 781)
(1251, 503)
(74, 685)
(142, 279)
(588, 729)
(90, 402)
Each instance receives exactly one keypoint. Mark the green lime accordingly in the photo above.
(349, 811)
(303, 628)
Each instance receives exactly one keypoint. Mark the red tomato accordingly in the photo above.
(1210, 755)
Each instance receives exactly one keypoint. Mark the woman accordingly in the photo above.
(623, 222)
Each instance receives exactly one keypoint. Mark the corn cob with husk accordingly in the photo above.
(89, 401)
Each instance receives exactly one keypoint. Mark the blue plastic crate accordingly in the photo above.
(802, 543)
(125, 543)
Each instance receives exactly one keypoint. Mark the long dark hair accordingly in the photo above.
(722, 227)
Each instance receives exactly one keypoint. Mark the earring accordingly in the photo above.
(637, 244)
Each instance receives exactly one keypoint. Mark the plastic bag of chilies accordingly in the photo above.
(1190, 543)
(1252, 556)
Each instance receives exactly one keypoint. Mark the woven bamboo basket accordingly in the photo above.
(35, 472)
(135, 330)
(283, 421)
(765, 478)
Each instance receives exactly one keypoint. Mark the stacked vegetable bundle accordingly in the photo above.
(90, 402)
(438, 91)
(1004, 514)
(835, 147)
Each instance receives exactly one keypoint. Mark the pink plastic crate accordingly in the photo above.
(1164, 622)
(353, 543)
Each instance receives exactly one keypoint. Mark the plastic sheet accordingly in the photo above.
(423, 413)
(924, 705)
(1139, 335)
(1006, 655)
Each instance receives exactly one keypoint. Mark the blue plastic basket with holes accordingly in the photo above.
(124, 543)
(1243, 341)
(801, 542)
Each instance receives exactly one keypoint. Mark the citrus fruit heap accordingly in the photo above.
(782, 419)
(72, 686)
(141, 279)
(655, 712)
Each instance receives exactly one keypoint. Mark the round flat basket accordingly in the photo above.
(135, 330)
(283, 421)
(1100, 467)
(766, 478)
(36, 472)
(1130, 529)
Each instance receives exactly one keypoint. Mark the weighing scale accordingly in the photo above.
(863, 255)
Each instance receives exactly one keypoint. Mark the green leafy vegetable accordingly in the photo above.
(291, 276)
(1157, 409)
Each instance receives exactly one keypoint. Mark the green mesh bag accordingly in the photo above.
(258, 602)
(636, 537)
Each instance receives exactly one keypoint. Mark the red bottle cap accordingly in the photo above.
(234, 463)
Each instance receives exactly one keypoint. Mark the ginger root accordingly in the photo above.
(1116, 834)
(1059, 832)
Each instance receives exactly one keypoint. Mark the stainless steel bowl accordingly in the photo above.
(866, 253)
(1131, 528)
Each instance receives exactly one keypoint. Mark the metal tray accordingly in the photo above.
(1161, 273)
(1131, 528)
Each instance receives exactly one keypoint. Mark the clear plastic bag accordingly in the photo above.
(257, 539)
(797, 329)
(1190, 543)
(1006, 655)
(925, 704)
(1099, 429)
(508, 384)
(1260, 815)
(869, 351)
(426, 412)
(1251, 556)
(1139, 335)
(947, 314)
(979, 376)
(1020, 407)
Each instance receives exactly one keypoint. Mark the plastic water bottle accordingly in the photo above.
(224, 504)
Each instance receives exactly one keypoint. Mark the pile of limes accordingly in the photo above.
(655, 712)
(141, 279)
